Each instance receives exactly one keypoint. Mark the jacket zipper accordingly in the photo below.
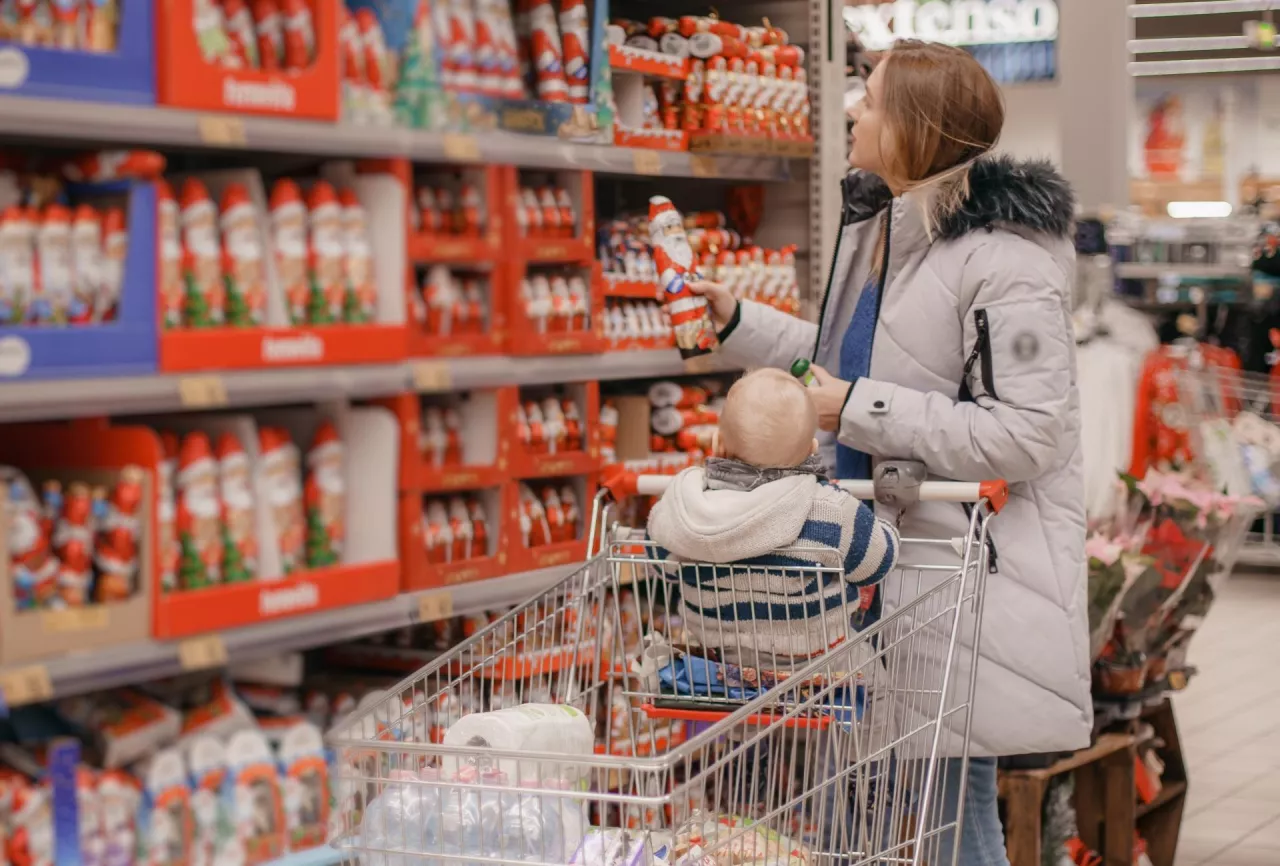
(831, 273)
(982, 345)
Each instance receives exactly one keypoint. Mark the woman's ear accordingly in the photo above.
(717, 444)
(814, 448)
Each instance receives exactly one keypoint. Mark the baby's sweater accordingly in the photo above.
(747, 547)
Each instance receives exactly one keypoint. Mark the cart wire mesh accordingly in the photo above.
(853, 755)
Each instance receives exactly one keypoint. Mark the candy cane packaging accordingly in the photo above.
(690, 317)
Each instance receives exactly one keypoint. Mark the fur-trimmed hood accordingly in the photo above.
(1027, 195)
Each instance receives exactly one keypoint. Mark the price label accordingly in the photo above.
(202, 392)
(461, 148)
(431, 376)
(202, 653)
(76, 619)
(222, 130)
(704, 166)
(647, 161)
(29, 685)
(434, 606)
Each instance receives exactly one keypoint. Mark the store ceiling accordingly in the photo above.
(1218, 43)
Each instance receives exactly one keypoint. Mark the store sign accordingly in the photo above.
(1016, 40)
(955, 22)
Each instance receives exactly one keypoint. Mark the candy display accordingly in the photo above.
(369, 69)
(267, 36)
(549, 513)
(556, 300)
(455, 529)
(89, 27)
(74, 544)
(454, 302)
(546, 212)
(751, 272)
(551, 425)
(637, 325)
(740, 81)
(449, 206)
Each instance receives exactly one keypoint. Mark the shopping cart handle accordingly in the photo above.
(622, 482)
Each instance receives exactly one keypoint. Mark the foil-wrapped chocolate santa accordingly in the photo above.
(690, 317)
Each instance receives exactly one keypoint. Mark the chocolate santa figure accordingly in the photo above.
(289, 246)
(325, 259)
(361, 302)
(198, 524)
(690, 317)
(577, 49)
(326, 498)
(115, 245)
(299, 34)
(239, 532)
(73, 545)
(86, 258)
(270, 30)
(240, 31)
(282, 482)
(34, 567)
(201, 257)
(169, 278)
(170, 552)
(116, 545)
(17, 264)
(545, 51)
(242, 262)
(54, 286)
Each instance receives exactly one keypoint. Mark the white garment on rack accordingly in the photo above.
(1108, 369)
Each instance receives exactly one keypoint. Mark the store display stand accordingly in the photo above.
(1106, 800)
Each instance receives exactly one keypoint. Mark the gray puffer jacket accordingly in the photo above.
(972, 372)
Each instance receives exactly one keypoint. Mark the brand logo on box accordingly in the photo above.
(273, 602)
(304, 347)
(272, 95)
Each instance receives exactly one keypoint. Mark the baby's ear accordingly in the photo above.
(814, 448)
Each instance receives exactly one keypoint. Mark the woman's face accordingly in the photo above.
(870, 139)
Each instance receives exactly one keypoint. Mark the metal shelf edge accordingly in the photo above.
(34, 400)
(151, 660)
(161, 126)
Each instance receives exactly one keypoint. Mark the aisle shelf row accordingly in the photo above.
(65, 120)
(132, 395)
(80, 673)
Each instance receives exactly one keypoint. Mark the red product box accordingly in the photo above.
(187, 80)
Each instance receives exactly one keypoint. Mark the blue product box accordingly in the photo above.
(127, 74)
(127, 346)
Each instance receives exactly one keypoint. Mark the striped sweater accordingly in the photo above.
(769, 568)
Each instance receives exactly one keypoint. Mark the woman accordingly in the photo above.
(945, 337)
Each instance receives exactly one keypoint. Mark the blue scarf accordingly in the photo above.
(855, 362)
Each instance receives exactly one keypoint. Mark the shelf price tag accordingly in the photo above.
(92, 618)
(28, 685)
(202, 653)
(202, 392)
(431, 376)
(703, 166)
(646, 161)
(461, 148)
(222, 130)
(434, 606)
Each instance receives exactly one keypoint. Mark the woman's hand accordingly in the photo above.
(829, 396)
(720, 300)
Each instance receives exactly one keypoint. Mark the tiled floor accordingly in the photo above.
(1229, 719)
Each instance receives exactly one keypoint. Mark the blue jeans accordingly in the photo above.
(982, 836)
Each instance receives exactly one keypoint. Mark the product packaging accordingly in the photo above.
(690, 315)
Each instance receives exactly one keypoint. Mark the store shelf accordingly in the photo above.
(134, 395)
(150, 660)
(1140, 271)
(325, 855)
(71, 121)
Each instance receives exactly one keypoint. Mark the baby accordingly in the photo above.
(763, 504)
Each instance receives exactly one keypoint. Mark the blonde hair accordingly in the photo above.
(942, 112)
(768, 420)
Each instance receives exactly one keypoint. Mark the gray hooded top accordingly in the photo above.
(972, 372)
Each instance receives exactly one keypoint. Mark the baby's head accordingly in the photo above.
(768, 421)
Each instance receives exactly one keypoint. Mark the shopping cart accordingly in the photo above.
(834, 758)
(1233, 424)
